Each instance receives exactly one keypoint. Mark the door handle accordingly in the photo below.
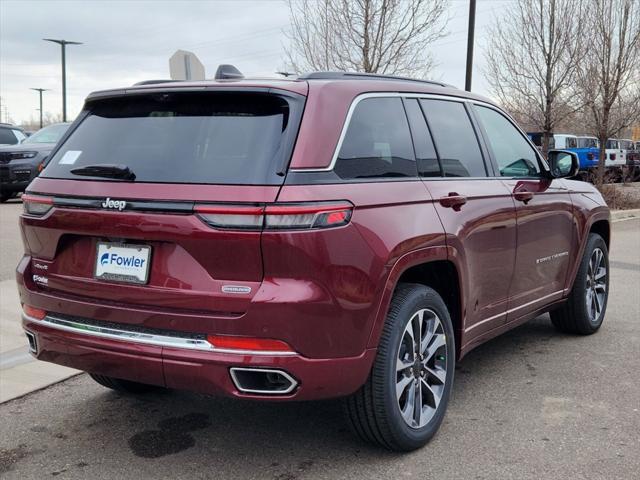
(523, 196)
(453, 200)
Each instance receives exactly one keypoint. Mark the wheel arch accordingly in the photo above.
(432, 268)
(602, 228)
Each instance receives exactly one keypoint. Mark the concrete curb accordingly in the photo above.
(620, 215)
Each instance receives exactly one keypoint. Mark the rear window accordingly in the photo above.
(7, 137)
(217, 138)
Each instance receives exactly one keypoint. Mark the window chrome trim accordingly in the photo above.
(365, 96)
(124, 335)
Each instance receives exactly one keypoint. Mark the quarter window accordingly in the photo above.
(377, 142)
(513, 154)
(455, 138)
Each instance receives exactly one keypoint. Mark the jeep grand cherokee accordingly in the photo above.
(333, 235)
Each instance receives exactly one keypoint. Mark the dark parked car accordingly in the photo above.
(336, 235)
(10, 134)
(19, 164)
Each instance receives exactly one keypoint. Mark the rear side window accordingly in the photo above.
(7, 137)
(217, 138)
(513, 154)
(455, 138)
(377, 142)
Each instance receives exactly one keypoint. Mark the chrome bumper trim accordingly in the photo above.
(66, 325)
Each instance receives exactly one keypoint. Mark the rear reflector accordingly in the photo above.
(36, 204)
(276, 216)
(34, 312)
(227, 342)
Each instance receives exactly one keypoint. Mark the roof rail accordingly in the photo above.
(152, 82)
(363, 76)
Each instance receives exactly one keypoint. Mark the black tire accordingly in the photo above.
(574, 315)
(373, 412)
(125, 386)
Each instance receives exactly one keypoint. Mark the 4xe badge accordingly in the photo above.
(117, 204)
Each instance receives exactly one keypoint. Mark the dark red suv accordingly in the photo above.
(336, 235)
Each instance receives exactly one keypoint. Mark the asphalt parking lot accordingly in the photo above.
(531, 404)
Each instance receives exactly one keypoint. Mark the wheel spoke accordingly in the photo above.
(601, 287)
(432, 327)
(598, 305)
(601, 273)
(435, 395)
(417, 332)
(401, 385)
(438, 373)
(409, 406)
(403, 364)
(439, 341)
(417, 407)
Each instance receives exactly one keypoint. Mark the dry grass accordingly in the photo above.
(621, 196)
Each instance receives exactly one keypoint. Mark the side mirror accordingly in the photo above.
(563, 163)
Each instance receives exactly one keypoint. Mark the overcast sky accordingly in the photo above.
(128, 41)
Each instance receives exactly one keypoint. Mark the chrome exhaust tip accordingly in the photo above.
(264, 381)
(33, 343)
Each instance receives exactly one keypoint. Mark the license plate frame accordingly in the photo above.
(141, 274)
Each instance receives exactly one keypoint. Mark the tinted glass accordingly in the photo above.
(428, 165)
(612, 144)
(572, 142)
(377, 142)
(7, 136)
(454, 138)
(513, 154)
(225, 138)
(50, 134)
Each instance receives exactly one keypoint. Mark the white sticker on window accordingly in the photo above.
(70, 157)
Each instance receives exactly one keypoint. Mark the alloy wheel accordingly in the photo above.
(596, 291)
(421, 368)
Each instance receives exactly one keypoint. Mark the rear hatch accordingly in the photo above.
(141, 204)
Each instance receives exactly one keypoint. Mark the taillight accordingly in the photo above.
(228, 342)
(232, 216)
(612, 156)
(36, 204)
(33, 312)
(278, 216)
(307, 216)
(589, 156)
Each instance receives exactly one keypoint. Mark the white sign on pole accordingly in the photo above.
(185, 65)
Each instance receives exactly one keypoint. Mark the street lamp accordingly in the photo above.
(63, 44)
(40, 90)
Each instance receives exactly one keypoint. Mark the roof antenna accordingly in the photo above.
(228, 72)
(286, 74)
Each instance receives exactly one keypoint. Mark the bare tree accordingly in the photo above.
(609, 74)
(374, 36)
(532, 56)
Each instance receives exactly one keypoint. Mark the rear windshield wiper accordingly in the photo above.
(121, 172)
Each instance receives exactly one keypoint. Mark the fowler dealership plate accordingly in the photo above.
(122, 262)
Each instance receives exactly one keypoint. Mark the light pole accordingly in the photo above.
(40, 90)
(470, 35)
(63, 44)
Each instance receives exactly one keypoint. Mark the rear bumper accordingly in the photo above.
(194, 369)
